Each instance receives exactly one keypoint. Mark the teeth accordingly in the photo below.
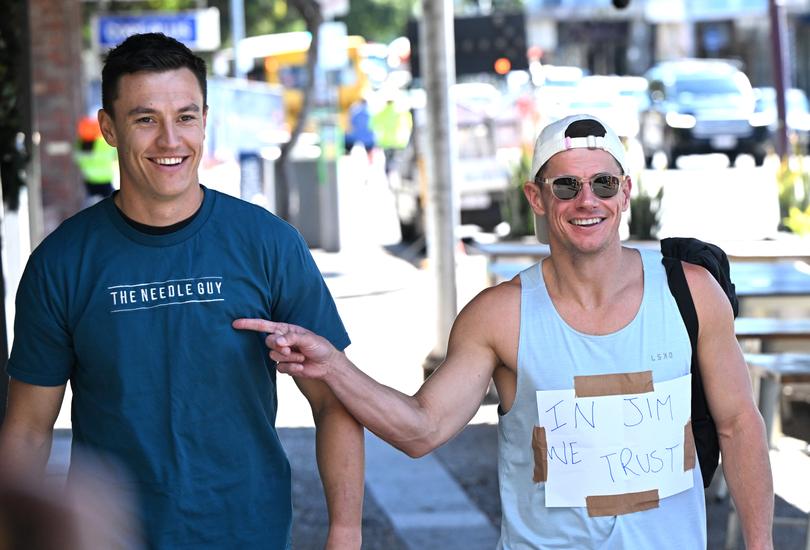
(171, 161)
(588, 221)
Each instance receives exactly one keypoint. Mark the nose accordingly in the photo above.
(586, 196)
(168, 136)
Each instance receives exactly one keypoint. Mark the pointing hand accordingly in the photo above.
(296, 350)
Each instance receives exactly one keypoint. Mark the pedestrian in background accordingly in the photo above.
(96, 159)
(595, 321)
(359, 131)
(132, 300)
(392, 125)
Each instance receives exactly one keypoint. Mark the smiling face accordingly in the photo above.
(158, 126)
(585, 223)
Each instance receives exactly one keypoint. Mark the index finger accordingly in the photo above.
(258, 325)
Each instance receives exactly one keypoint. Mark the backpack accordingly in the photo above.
(711, 257)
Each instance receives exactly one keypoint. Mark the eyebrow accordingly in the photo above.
(140, 110)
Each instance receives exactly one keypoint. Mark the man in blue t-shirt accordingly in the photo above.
(132, 301)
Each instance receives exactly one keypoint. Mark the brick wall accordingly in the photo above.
(56, 86)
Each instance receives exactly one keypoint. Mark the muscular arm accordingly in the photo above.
(27, 432)
(414, 424)
(743, 444)
(341, 462)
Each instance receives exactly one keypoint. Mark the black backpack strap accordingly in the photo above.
(683, 297)
(708, 255)
(703, 427)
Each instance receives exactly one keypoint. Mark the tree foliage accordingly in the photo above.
(261, 17)
(378, 20)
(467, 6)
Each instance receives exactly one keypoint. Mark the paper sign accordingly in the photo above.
(615, 444)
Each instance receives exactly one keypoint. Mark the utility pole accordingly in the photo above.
(781, 72)
(237, 34)
(437, 53)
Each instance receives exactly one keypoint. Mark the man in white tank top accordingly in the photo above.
(591, 362)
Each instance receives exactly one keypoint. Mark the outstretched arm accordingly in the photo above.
(743, 444)
(414, 424)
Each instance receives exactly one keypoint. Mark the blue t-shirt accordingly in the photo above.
(141, 326)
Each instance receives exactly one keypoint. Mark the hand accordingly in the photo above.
(296, 350)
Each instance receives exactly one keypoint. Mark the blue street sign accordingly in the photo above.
(199, 30)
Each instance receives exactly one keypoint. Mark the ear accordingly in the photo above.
(105, 121)
(533, 194)
(627, 186)
(205, 118)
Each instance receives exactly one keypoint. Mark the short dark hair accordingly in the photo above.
(154, 52)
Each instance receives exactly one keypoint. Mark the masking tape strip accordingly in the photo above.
(540, 448)
(599, 385)
(626, 503)
(688, 447)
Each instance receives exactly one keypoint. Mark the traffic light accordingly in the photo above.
(494, 43)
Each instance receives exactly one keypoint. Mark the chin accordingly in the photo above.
(175, 187)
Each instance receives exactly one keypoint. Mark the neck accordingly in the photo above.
(159, 213)
(590, 280)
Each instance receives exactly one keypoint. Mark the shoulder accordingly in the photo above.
(61, 256)
(493, 308)
(699, 279)
(72, 234)
(239, 213)
(490, 324)
(236, 205)
(498, 296)
(711, 303)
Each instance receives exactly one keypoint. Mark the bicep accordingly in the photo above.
(723, 368)
(454, 392)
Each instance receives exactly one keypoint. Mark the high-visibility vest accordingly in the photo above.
(98, 164)
(392, 127)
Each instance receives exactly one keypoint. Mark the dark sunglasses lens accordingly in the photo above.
(605, 186)
(565, 188)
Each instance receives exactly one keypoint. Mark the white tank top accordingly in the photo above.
(550, 354)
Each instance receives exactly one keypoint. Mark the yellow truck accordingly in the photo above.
(281, 59)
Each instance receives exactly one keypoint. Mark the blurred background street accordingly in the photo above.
(402, 168)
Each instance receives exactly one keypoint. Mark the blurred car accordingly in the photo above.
(701, 106)
(634, 88)
(797, 115)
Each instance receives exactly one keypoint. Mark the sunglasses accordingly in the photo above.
(566, 188)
